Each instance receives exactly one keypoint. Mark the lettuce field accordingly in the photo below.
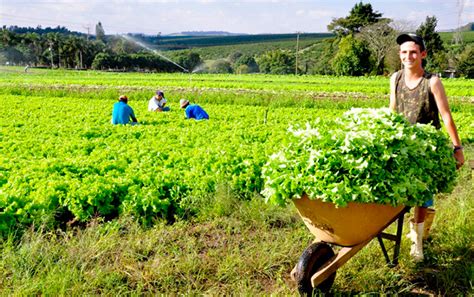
(63, 163)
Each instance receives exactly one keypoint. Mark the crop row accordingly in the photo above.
(287, 83)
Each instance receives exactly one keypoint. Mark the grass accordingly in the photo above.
(234, 248)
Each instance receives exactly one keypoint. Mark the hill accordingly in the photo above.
(467, 37)
(193, 41)
(205, 33)
(467, 27)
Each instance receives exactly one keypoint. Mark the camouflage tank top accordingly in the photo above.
(417, 105)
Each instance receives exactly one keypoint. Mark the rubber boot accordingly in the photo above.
(428, 222)
(416, 237)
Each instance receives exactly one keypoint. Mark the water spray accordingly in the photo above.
(130, 39)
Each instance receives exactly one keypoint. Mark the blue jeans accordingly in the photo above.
(428, 203)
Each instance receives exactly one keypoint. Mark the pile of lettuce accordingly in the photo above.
(367, 155)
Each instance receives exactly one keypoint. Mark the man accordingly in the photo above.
(122, 112)
(157, 103)
(193, 111)
(420, 96)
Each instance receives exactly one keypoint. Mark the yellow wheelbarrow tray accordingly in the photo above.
(351, 227)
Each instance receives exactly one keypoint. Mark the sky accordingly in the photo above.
(239, 16)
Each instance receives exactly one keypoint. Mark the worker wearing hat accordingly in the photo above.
(193, 111)
(157, 103)
(122, 112)
(420, 97)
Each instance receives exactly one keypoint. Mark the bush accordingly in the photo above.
(221, 66)
(352, 58)
(277, 62)
(466, 62)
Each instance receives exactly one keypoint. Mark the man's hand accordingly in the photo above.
(459, 156)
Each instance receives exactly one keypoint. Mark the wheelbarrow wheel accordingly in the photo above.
(312, 259)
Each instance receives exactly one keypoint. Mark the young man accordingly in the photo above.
(193, 111)
(420, 96)
(157, 103)
(122, 112)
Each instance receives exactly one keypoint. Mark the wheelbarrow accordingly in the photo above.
(351, 227)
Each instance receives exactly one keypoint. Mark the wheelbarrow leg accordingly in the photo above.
(396, 238)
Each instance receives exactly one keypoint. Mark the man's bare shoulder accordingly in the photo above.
(435, 82)
(393, 77)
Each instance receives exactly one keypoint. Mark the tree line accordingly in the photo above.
(55, 49)
(363, 44)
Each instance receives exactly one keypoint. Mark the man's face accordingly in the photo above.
(159, 97)
(410, 54)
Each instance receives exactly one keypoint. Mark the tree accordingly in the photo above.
(73, 48)
(120, 45)
(36, 45)
(55, 43)
(360, 15)
(249, 63)
(317, 58)
(99, 32)
(103, 61)
(351, 58)
(277, 62)
(221, 66)
(8, 38)
(380, 39)
(91, 49)
(434, 44)
(11, 55)
(466, 62)
(188, 59)
(234, 56)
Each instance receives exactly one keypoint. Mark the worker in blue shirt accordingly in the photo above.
(193, 111)
(122, 112)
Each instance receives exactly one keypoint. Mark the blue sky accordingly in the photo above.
(254, 17)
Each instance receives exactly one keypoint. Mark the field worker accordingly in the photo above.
(420, 96)
(193, 111)
(122, 112)
(157, 103)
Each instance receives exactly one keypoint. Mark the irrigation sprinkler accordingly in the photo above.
(130, 39)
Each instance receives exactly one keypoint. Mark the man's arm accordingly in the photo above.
(132, 115)
(392, 91)
(442, 102)
(160, 108)
(187, 112)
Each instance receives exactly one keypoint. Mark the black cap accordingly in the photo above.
(411, 37)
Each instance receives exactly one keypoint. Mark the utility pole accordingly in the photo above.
(80, 58)
(51, 52)
(88, 27)
(297, 49)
